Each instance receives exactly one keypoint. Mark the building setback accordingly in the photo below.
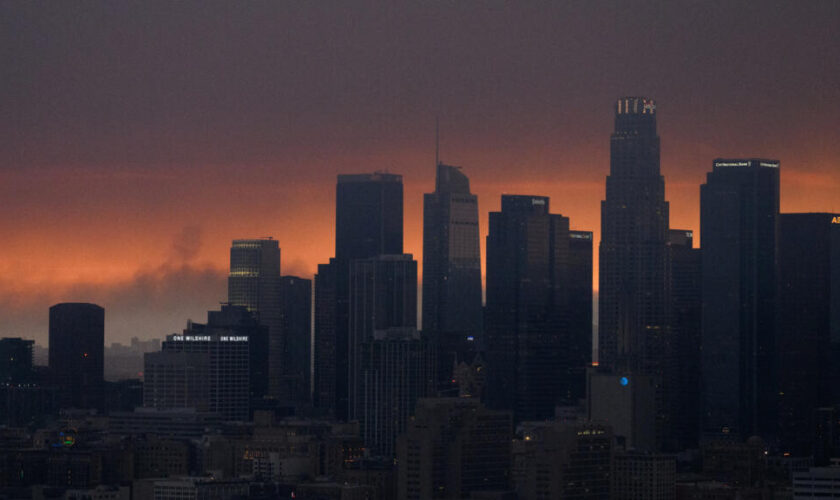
(739, 208)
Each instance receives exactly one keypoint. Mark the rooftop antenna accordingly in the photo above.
(437, 141)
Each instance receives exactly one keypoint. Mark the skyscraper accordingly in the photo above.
(739, 207)
(684, 313)
(369, 222)
(634, 226)
(297, 332)
(452, 309)
(77, 353)
(527, 307)
(806, 258)
(580, 313)
(254, 282)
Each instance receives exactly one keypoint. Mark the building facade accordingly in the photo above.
(77, 353)
(296, 296)
(739, 208)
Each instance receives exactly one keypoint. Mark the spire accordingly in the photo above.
(437, 140)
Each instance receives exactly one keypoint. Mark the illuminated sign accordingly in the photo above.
(581, 236)
(537, 201)
(234, 339)
(771, 165)
(732, 164)
(191, 338)
(689, 234)
(649, 106)
(624, 381)
(835, 220)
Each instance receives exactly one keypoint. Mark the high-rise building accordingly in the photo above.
(15, 360)
(633, 261)
(297, 333)
(206, 368)
(369, 222)
(254, 282)
(808, 253)
(452, 309)
(563, 460)
(527, 307)
(580, 313)
(739, 207)
(77, 353)
(684, 312)
(452, 447)
(396, 368)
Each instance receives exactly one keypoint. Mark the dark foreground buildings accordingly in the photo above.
(77, 353)
(739, 209)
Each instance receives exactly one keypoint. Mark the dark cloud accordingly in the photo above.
(153, 303)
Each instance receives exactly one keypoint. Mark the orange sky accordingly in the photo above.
(137, 140)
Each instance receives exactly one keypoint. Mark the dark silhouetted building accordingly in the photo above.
(651, 476)
(684, 312)
(15, 360)
(527, 301)
(452, 447)
(452, 308)
(808, 253)
(739, 208)
(634, 227)
(626, 402)
(396, 368)
(77, 352)
(297, 333)
(254, 282)
(563, 460)
(580, 313)
(390, 365)
(207, 367)
(369, 222)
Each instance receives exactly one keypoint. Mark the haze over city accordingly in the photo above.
(139, 139)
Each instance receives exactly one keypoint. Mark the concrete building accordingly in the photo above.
(644, 476)
(627, 404)
(77, 353)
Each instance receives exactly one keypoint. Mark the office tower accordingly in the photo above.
(297, 332)
(254, 282)
(452, 447)
(324, 373)
(808, 253)
(396, 368)
(652, 476)
(527, 317)
(206, 368)
(389, 365)
(383, 295)
(528, 334)
(563, 460)
(634, 225)
(580, 313)
(369, 222)
(452, 309)
(77, 350)
(236, 322)
(739, 207)
(627, 402)
(684, 312)
(15, 360)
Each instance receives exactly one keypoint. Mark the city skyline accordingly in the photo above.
(125, 216)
